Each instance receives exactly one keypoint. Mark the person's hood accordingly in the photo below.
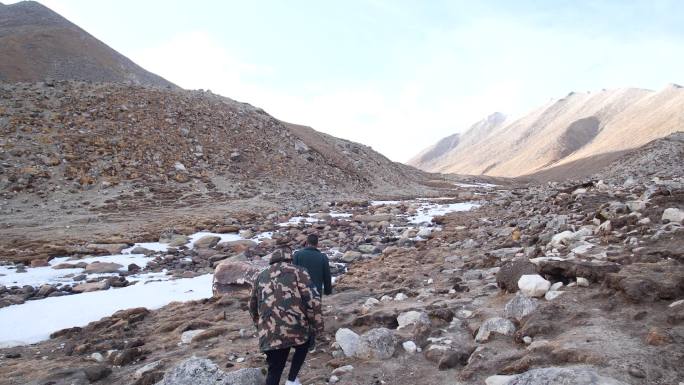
(279, 256)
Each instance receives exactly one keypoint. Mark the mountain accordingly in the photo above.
(37, 44)
(433, 155)
(576, 127)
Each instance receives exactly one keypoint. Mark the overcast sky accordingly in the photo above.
(395, 75)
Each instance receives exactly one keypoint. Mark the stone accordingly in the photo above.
(649, 282)
(174, 240)
(187, 336)
(108, 248)
(40, 263)
(45, 290)
(508, 276)
(366, 248)
(147, 368)
(533, 285)
(410, 347)
(400, 297)
(571, 269)
(201, 371)
(350, 256)
(142, 250)
(520, 306)
(342, 370)
(102, 268)
(370, 302)
(207, 241)
(333, 379)
(372, 218)
(125, 357)
(412, 318)
(562, 239)
(97, 372)
(498, 380)
(231, 275)
(673, 215)
(494, 325)
(551, 295)
(348, 340)
(583, 282)
(377, 344)
(91, 286)
(580, 375)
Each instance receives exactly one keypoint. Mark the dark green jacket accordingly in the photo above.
(316, 263)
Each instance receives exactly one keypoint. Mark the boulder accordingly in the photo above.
(412, 318)
(372, 218)
(233, 275)
(533, 285)
(568, 270)
(377, 344)
(102, 268)
(91, 286)
(201, 371)
(348, 341)
(207, 241)
(174, 240)
(673, 215)
(40, 263)
(520, 306)
(580, 375)
(107, 248)
(649, 282)
(366, 248)
(561, 239)
(509, 274)
(350, 256)
(494, 325)
(237, 246)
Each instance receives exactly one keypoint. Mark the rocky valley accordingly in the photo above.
(135, 215)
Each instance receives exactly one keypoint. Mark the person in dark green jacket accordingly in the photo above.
(316, 263)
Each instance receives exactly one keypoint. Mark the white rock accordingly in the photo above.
(551, 295)
(343, 370)
(370, 302)
(411, 318)
(673, 215)
(677, 303)
(147, 368)
(179, 166)
(333, 379)
(348, 341)
(527, 340)
(581, 281)
(400, 297)
(410, 347)
(377, 344)
(187, 337)
(533, 285)
(385, 298)
(98, 357)
(556, 286)
(562, 238)
(498, 380)
(430, 281)
(494, 325)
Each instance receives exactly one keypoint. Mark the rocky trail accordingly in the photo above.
(575, 282)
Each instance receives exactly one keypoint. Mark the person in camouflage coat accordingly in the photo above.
(286, 313)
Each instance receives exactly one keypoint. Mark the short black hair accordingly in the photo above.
(312, 240)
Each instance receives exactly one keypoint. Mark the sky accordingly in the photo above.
(395, 75)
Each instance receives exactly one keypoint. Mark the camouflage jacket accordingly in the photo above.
(284, 307)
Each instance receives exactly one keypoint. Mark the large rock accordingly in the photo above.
(350, 256)
(102, 267)
(494, 325)
(593, 271)
(373, 218)
(107, 248)
(520, 306)
(238, 246)
(174, 240)
(533, 285)
(91, 286)
(412, 318)
(648, 282)
(207, 241)
(377, 344)
(201, 371)
(348, 341)
(673, 215)
(580, 375)
(509, 274)
(232, 275)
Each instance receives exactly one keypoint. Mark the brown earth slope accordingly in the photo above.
(37, 44)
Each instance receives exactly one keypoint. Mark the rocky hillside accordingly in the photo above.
(579, 126)
(87, 150)
(37, 44)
